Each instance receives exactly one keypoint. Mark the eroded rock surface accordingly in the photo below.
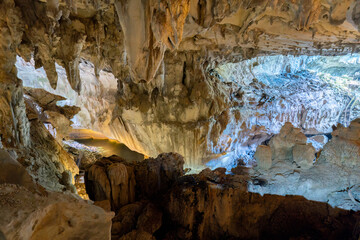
(128, 187)
(214, 205)
(27, 215)
(168, 67)
(207, 210)
(122, 183)
(45, 159)
(332, 178)
(57, 119)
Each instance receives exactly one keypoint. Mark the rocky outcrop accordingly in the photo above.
(128, 187)
(57, 119)
(12, 172)
(332, 178)
(27, 215)
(47, 162)
(344, 147)
(212, 204)
(122, 183)
(28, 211)
(206, 210)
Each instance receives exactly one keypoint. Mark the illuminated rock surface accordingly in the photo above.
(332, 178)
(29, 215)
(209, 80)
(211, 205)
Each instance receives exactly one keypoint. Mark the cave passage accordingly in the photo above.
(108, 148)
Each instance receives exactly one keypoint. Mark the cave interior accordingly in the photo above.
(179, 119)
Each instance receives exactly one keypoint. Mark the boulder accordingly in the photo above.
(27, 215)
(126, 218)
(304, 155)
(150, 219)
(281, 144)
(263, 157)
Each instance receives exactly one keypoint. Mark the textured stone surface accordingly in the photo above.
(46, 160)
(344, 148)
(283, 143)
(263, 157)
(122, 182)
(304, 155)
(167, 66)
(333, 178)
(13, 172)
(26, 215)
(56, 118)
(232, 107)
(204, 210)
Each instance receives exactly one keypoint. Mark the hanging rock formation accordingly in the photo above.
(202, 114)
(175, 48)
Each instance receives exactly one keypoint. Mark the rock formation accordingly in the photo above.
(211, 205)
(121, 183)
(233, 107)
(332, 178)
(171, 55)
(207, 210)
(57, 119)
(207, 80)
(28, 211)
(127, 189)
(27, 215)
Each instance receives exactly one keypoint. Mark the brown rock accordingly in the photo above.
(138, 235)
(126, 218)
(212, 211)
(150, 219)
(105, 204)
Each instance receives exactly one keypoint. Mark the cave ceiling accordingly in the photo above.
(220, 31)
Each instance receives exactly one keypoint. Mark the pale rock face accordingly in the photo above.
(304, 155)
(27, 215)
(159, 25)
(204, 114)
(263, 157)
(290, 145)
(325, 180)
(96, 99)
(318, 141)
(343, 149)
(283, 143)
